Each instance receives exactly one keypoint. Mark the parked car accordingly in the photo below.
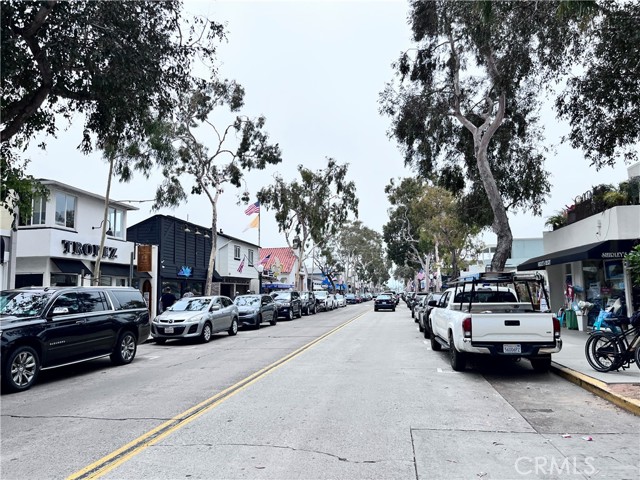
(256, 309)
(384, 301)
(289, 304)
(196, 317)
(48, 327)
(340, 301)
(324, 300)
(425, 311)
(308, 303)
(350, 298)
(414, 301)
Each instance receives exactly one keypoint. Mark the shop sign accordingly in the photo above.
(144, 258)
(88, 249)
(544, 263)
(613, 254)
(185, 271)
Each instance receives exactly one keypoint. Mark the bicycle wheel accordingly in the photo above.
(602, 351)
(637, 357)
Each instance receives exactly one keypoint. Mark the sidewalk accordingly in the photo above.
(621, 388)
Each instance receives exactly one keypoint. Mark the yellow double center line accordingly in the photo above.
(118, 457)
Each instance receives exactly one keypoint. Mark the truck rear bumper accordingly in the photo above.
(526, 349)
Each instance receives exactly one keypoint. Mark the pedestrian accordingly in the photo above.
(167, 299)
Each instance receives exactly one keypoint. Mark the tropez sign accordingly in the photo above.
(88, 249)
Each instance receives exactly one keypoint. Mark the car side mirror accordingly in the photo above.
(60, 311)
(214, 308)
(433, 303)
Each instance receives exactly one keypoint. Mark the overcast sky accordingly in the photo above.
(314, 70)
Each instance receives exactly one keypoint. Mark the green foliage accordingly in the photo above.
(112, 62)
(603, 104)
(465, 106)
(556, 221)
(314, 208)
(633, 261)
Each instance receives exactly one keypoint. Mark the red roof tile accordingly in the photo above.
(283, 254)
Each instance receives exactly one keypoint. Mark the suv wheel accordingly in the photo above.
(290, 314)
(21, 370)
(125, 349)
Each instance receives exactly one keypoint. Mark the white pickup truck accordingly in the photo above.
(495, 313)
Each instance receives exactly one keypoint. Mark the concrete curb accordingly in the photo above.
(597, 387)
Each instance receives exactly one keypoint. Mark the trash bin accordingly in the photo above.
(571, 319)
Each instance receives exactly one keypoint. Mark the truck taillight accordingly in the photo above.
(556, 328)
(466, 327)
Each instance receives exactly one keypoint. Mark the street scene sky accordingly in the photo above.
(315, 71)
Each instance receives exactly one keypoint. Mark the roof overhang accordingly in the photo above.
(607, 250)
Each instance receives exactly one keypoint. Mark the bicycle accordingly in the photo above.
(607, 351)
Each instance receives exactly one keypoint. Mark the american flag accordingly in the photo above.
(253, 208)
(241, 266)
(265, 260)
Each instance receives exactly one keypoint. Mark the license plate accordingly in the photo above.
(514, 348)
(168, 329)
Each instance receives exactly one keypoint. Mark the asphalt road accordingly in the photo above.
(347, 394)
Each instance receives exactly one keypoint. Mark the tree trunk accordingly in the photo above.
(208, 286)
(103, 230)
(500, 225)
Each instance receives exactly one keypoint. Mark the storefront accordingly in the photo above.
(594, 274)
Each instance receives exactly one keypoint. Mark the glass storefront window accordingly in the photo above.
(603, 283)
(63, 280)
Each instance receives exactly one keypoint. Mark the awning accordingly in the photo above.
(114, 269)
(120, 270)
(67, 265)
(607, 250)
(216, 276)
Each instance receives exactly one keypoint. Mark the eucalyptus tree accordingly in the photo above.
(465, 106)
(192, 145)
(602, 104)
(403, 232)
(109, 63)
(313, 208)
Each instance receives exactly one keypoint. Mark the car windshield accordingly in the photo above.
(321, 294)
(23, 304)
(247, 301)
(190, 305)
(350, 295)
(282, 296)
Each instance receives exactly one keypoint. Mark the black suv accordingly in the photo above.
(308, 303)
(289, 304)
(47, 327)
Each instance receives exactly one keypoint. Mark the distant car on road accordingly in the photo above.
(324, 301)
(256, 309)
(196, 317)
(384, 301)
(350, 298)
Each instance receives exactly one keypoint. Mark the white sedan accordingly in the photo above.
(341, 301)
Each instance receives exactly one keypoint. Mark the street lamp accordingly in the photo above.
(260, 269)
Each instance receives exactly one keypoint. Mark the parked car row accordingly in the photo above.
(48, 327)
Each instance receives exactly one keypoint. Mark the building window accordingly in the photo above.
(63, 280)
(65, 210)
(38, 211)
(236, 252)
(250, 258)
(116, 222)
